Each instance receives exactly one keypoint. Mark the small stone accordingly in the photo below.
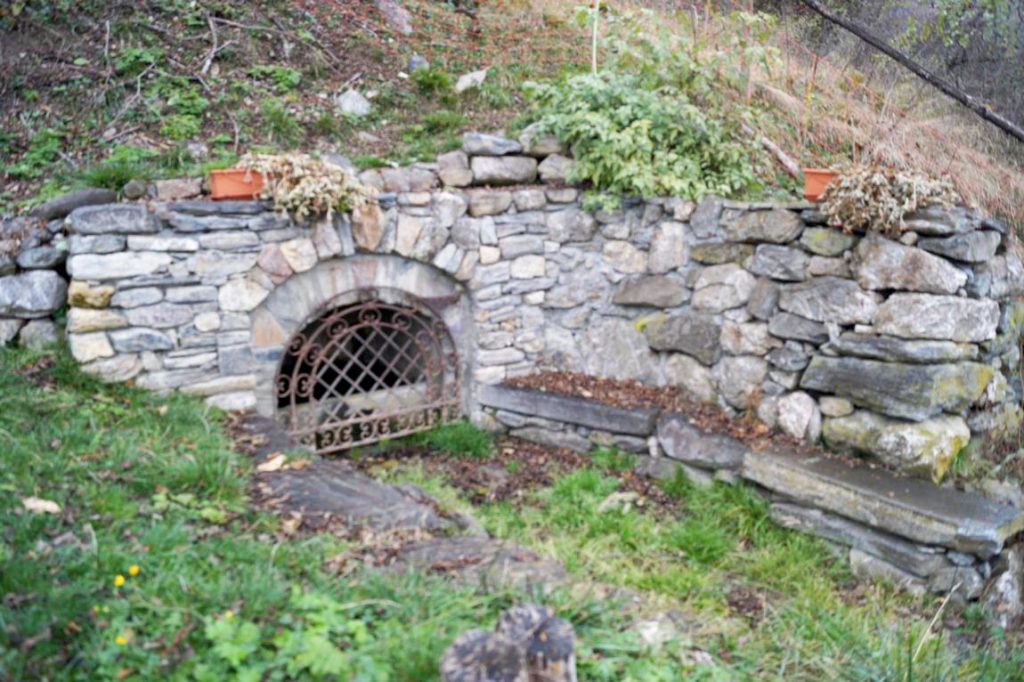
(117, 265)
(529, 199)
(788, 326)
(689, 332)
(828, 267)
(715, 253)
(973, 247)
(721, 287)
(299, 253)
(367, 226)
(489, 255)
(826, 241)
(799, 417)
(705, 218)
(453, 169)
(555, 169)
(739, 379)
(132, 190)
(614, 348)
(682, 441)
(658, 291)
(923, 448)
(241, 295)
(764, 299)
(835, 407)
(779, 263)
(481, 144)
(178, 188)
(133, 298)
(38, 334)
(829, 299)
(471, 80)
(88, 347)
(483, 202)
(81, 295)
(352, 103)
(161, 315)
(940, 221)
(207, 322)
(777, 226)
(417, 62)
(526, 267)
(140, 339)
(113, 219)
(668, 247)
(521, 245)
(625, 257)
(538, 145)
(82, 320)
(41, 258)
(867, 567)
(571, 225)
(750, 338)
(504, 170)
(9, 329)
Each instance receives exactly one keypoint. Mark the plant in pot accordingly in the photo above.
(877, 199)
(815, 182)
(304, 186)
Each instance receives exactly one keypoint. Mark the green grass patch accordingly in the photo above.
(458, 438)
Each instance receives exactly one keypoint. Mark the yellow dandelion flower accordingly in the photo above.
(133, 570)
(120, 640)
(118, 580)
(229, 614)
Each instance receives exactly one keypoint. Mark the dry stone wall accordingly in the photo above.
(901, 350)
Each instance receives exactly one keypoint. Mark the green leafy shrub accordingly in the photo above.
(629, 139)
(433, 83)
(132, 61)
(42, 151)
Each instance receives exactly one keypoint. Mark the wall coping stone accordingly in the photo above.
(639, 422)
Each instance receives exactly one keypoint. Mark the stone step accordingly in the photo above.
(908, 507)
(579, 411)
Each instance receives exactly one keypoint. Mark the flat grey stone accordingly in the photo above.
(788, 326)
(136, 339)
(657, 291)
(483, 562)
(973, 247)
(482, 144)
(764, 299)
(939, 221)
(776, 226)
(98, 244)
(704, 222)
(893, 349)
(693, 333)
(38, 334)
(716, 253)
(553, 438)
(914, 392)
(613, 348)
(907, 507)
(61, 206)
(952, 318)
(41, 258)
(639, 422)
(967, 582)
(869, 567)
(113, 219)
(781, 263)
(571, 225)
(36, 293)
(826, 241)
(202, 207)
(897, 551)
(829, 299)
(503, 170)
(682, 441)
(885, 264)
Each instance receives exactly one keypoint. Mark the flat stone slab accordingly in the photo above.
(332, 489)
(485, 562)
(907, 507)
(639, 422)
(684, 442)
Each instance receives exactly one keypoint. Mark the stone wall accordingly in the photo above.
(901, 350)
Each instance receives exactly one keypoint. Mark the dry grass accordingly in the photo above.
(823, 112)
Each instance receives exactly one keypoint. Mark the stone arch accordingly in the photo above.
(293, 303)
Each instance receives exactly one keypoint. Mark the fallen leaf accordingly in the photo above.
(272, 464)
(37, 505)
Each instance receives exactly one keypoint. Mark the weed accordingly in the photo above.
(285, 79)
(132, 61)
(42, 151)
(124, 163)
(442, 122)
(366, 162)
(458, 438)
(282, 125)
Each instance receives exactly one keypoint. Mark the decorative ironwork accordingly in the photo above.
(371, 364)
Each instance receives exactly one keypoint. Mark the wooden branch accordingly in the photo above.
(947, 88)
(788, 164)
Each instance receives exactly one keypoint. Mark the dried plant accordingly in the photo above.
(304, 186)
(876, 199)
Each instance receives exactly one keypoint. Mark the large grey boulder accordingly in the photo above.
(689, 332)
(921, 448)
(829, 299)
(885, 264)
(37, 293)
(949, 318)
(973, 247)
(613, 348)
(894, 349)
(504, 170)
(555, 169)
(113, 219)
(777, 226)
(352, 103)
(914, 392)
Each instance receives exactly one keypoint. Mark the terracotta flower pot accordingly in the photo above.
(235, 183)
(815, 181)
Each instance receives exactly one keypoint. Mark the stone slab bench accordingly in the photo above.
(908, 507)
(580, 411)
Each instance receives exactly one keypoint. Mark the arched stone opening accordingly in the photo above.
(362, 349)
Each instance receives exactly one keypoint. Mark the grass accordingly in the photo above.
(817, 622)
(220, 592)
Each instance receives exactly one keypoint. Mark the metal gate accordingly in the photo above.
(378, 363)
